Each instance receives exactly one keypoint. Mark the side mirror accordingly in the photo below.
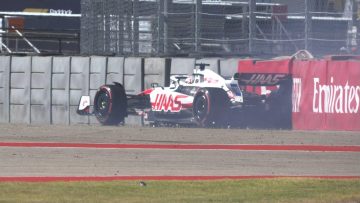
(155, 85)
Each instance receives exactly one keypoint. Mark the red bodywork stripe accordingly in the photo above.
(147, 92)
(187, 105)
(183, 106)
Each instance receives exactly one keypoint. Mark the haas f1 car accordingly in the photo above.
(204, 98)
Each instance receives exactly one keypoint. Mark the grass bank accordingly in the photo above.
(259, 190)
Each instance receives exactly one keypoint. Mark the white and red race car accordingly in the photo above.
(204, 98)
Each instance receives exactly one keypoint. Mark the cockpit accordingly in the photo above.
(177, 80)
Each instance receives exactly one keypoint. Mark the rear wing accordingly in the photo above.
(261, 79)
(263, 73)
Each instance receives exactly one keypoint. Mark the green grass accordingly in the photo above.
(264, 190)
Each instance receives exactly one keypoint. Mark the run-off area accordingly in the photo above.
(41, 162)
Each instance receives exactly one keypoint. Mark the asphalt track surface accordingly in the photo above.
(50, 153)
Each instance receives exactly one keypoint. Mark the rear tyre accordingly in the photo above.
(110, 104)
(211, 107)
(280, 103)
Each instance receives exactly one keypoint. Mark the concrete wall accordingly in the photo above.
(46, 90)
(60, 90)
(4, 89)
(20, 89)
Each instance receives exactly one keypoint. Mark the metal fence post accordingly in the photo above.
(136, 5)
(252, 24)
(106, 19)
(307, 24)
(120, 17)
(165, 14)
(355, 28)
(351, 35)
(198, 12)
(160, 43)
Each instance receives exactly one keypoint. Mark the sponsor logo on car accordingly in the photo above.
(261, 79)
(167, 102)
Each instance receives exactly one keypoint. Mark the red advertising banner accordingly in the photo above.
(326, 95)
(343, 96)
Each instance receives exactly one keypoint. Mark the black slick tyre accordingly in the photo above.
(210, 107)
(110, 104)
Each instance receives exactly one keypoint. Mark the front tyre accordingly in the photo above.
(210, 107)
(110, 104)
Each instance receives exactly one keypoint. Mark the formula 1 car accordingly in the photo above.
(204, 98)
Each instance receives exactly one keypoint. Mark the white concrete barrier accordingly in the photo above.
(182, 66)
(97, 77)
(4, 89)
(115, 70)
(60, 110)
(228, 67)
(154, 72)
(79, 85)
(41, 90)
(133, 75)
(46, 90)
(20, 88)
(133, 83)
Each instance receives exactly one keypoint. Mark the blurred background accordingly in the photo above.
(263, 28)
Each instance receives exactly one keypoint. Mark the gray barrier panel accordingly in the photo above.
(182, 66)
(133, 75)
(92, 119)
(228, 67)
(4, 89)
(154, 72)
(213, 63)
(20, 90)
(74, 117)
(20, 64)
(98, 66)
(75, 96)
(97, 71)
(41, 90)
(40, 96)
(79, 85)
(60, 98)
(31, 86)
(60, 80)
(133, 83)
(115, 70)
(61, 90)
(17, 96)
(20, 80)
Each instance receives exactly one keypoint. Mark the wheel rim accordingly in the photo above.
(103, 104)
(201, 106)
